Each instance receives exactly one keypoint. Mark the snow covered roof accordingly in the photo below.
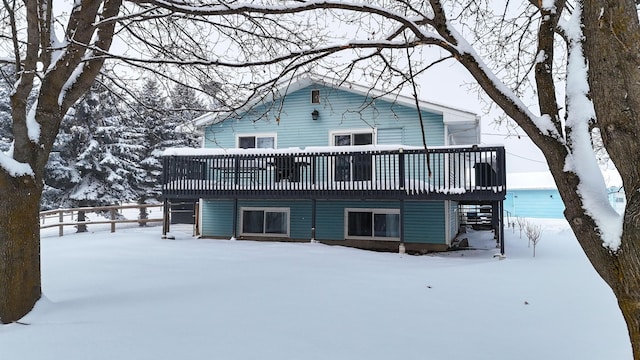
(530, 180)
(453, 115)
(543, 180)
(185, 151)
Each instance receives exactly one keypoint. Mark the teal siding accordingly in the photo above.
(391, 136)
(330, 216)
(299, 213)
(538, 203)
(339, 111)
(330, 220)
(217, 218)
(425, 222)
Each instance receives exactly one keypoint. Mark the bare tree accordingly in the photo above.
(522, 223)
(56, 56)
(516, 52)
(533, 233)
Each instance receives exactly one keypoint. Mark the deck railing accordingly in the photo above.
(462, 173)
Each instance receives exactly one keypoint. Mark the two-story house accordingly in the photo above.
(343, 165)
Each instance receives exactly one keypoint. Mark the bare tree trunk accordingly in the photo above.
(627, 286)
(621, 270)
(19, 247)
(612, 48)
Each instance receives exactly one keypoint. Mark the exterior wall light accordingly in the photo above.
(315, 114)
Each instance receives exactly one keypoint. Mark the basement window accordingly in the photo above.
(376, 224)
(265, 221)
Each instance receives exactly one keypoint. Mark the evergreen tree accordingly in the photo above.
(95, 158)
(157, 118)
(185, 107)
(6, 73)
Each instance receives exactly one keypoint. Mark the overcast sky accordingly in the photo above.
(448, 84)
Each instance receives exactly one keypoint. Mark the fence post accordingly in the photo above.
(113, 218)
(60, 220)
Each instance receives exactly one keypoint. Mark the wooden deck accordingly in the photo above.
(466, 174)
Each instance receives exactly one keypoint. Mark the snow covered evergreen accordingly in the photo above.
(95, 158)
(5, 109)
(107, 153)
(157, 119)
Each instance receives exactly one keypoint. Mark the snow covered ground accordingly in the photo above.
(132, 295)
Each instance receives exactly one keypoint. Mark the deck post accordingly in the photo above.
(501, 215)
(165, 218)
(401, 247)
(401, 174)
(196, 222)
(313, 220)
(235, 219)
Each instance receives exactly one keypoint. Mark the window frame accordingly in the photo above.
(315, 95)
(352, 133)
(256, 136)
(265, 210)
(373, 211)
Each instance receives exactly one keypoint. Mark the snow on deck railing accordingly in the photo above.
(404, 169)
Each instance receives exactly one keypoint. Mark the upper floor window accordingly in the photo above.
(315, 96)
(357, 167)
(257, 142)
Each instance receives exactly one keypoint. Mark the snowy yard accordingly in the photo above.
(132, 295)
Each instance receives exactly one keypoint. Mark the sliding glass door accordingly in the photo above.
(356, 167)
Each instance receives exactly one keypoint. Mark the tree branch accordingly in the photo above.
(547, 100)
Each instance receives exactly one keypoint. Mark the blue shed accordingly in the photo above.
(534, 195)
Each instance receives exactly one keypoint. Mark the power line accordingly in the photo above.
(506, 135)
(526, 158)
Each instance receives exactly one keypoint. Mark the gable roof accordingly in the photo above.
(452, 115)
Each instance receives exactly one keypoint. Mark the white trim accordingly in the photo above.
(266, 210)
(351, 132)
(447, 141)
(373, 211)
(257, 135)
(469, 124)
(372, 131)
